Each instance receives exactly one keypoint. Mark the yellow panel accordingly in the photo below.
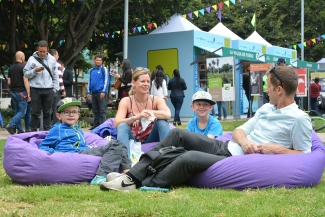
(167, 58)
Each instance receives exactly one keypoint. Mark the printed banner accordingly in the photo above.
(220, 76)
(257, 72)
(302, 82)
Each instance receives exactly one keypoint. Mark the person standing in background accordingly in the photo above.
(159, 87)
(67, 79)
(61, 93)
(126, 79)
(221, 104)
(314, 93)
(19, 90)
(265, 96)
(42, 72)
(97, 90)
(177, 86)
(247, 88)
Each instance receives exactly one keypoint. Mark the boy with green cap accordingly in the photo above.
(65, 136)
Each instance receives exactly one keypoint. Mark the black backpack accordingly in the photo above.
(160, 159)
(321, 102)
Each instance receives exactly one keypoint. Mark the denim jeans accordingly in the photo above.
(27, 116)
(20, 105)
(313, 104)
(159, 131)
(99, 108)
(222, 105)
(42, 99)
(177, 103)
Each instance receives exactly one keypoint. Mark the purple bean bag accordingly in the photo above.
(28, 165)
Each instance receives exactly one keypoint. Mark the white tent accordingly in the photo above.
(256, 38)
(321, 64)
(177, 23)
(222, 30)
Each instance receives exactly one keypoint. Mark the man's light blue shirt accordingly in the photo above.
(289, 127)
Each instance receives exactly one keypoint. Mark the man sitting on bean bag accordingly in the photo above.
(65, 136)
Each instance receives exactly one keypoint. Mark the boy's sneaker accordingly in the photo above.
(97, 180)
(112, 176)
(120, 183)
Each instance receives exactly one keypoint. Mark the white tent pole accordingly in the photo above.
(126, 29)
(302, 29)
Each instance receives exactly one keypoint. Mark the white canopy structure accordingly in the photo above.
(222, 30)
(257, 38)
(321, 64)
(177, 23)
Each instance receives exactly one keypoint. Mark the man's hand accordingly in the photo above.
(88, 97)
(102, 95)
(249, 147)
(270, 148)
(39, 69)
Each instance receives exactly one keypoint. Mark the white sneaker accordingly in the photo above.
(112, 176)
(120, 183)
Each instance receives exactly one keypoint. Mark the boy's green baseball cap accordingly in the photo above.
(66, 102)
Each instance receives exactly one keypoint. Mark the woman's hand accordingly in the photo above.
(117, 76)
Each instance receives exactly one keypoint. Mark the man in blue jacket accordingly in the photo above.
(97, 90)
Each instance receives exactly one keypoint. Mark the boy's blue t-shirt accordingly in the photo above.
(213, 127)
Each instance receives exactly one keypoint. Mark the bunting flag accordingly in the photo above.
(318, 38)
(190, 15)
(308, 42)
(106, 35)
(313, 40)
(133, 29)
(155, 24)
(214, 7)
(139, 28)
(202, 11)
(295, 47)
(118, 32)
(323, 36)
(144, 27)
(184, 15)
(220, 5)
(219, 14)
(299, 45)
(227, 3)
(253, 22)
(150, 25)
(3, 46)
(305, 44)
(233, 1)
(196, 13)
(208, 9)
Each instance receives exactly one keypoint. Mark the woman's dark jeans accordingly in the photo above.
(177, 103)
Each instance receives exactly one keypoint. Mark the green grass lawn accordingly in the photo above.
(86, 200)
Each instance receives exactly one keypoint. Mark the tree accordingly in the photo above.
(68, 26)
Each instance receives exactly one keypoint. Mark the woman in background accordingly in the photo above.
(159, 87)
(177, 86)
(126, 79)
(314, 93)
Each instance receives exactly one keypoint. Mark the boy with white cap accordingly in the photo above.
(204, 123)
